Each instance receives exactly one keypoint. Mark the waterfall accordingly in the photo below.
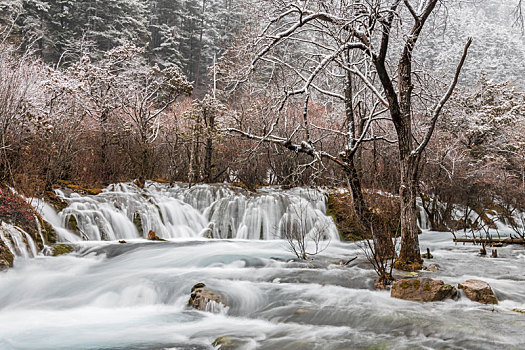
(19, 242)
(125, 211)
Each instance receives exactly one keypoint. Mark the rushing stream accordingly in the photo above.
(108, 295)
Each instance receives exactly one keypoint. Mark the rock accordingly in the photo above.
(229, 343)
(408, 266)
(422, 289)
(6, 257)
(72, 223)
(152, 236)
(122, 241)
(520, 311)
(478, 291)
(301, 311)
(406, 274)
(205, 299)
(62, 249)
(431, 268)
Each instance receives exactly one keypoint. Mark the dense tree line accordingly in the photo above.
(185, 33)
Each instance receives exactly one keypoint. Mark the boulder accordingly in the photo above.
(205, 299)
(422, 289)
(478, 291)
(152, 236)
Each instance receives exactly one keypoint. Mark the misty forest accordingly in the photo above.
(270, 174)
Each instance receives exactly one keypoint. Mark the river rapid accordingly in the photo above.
(108, 295)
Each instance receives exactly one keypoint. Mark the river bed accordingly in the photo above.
(134, 296)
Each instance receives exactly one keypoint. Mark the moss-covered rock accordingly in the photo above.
(408, 265)
(49, 233)
(6, 257)
(72, 223)
(228, 342)
(83, 189)
(62, 249)
(56, 202)
(340, 207)
(422, 289)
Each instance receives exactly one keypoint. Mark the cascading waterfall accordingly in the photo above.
(135, 295)
(19, 242)
(124, 211)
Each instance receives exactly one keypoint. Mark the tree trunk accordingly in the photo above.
(208, 154)
(409, 256)
(357, 191)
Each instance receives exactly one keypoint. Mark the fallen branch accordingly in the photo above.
(490, 240)
(349, 261)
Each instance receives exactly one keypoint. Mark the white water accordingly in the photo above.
(215, 211)
(19, 242)
(134, 295)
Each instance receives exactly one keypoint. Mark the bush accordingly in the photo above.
(15, 210)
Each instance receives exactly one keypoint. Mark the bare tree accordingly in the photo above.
(368, 29)
(382, 259)
(304, 236)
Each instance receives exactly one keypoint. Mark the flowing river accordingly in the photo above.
(108, 295)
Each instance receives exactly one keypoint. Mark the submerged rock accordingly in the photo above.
(205, 299)
(431, 268)
(479, 291)
(422, 289)
(229, 343)
(152, 236)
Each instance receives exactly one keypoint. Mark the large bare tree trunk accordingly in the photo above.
(208, 155)
(409, 255)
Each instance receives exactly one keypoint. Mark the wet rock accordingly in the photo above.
(152, 236)
(205, 299)
(122, 241)
(478, 291)
(6, 257)
(408, 266)
(401, 274)
(422, 289)
(62, 249)
(520, 311)
(431, 268)
(229, 343)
